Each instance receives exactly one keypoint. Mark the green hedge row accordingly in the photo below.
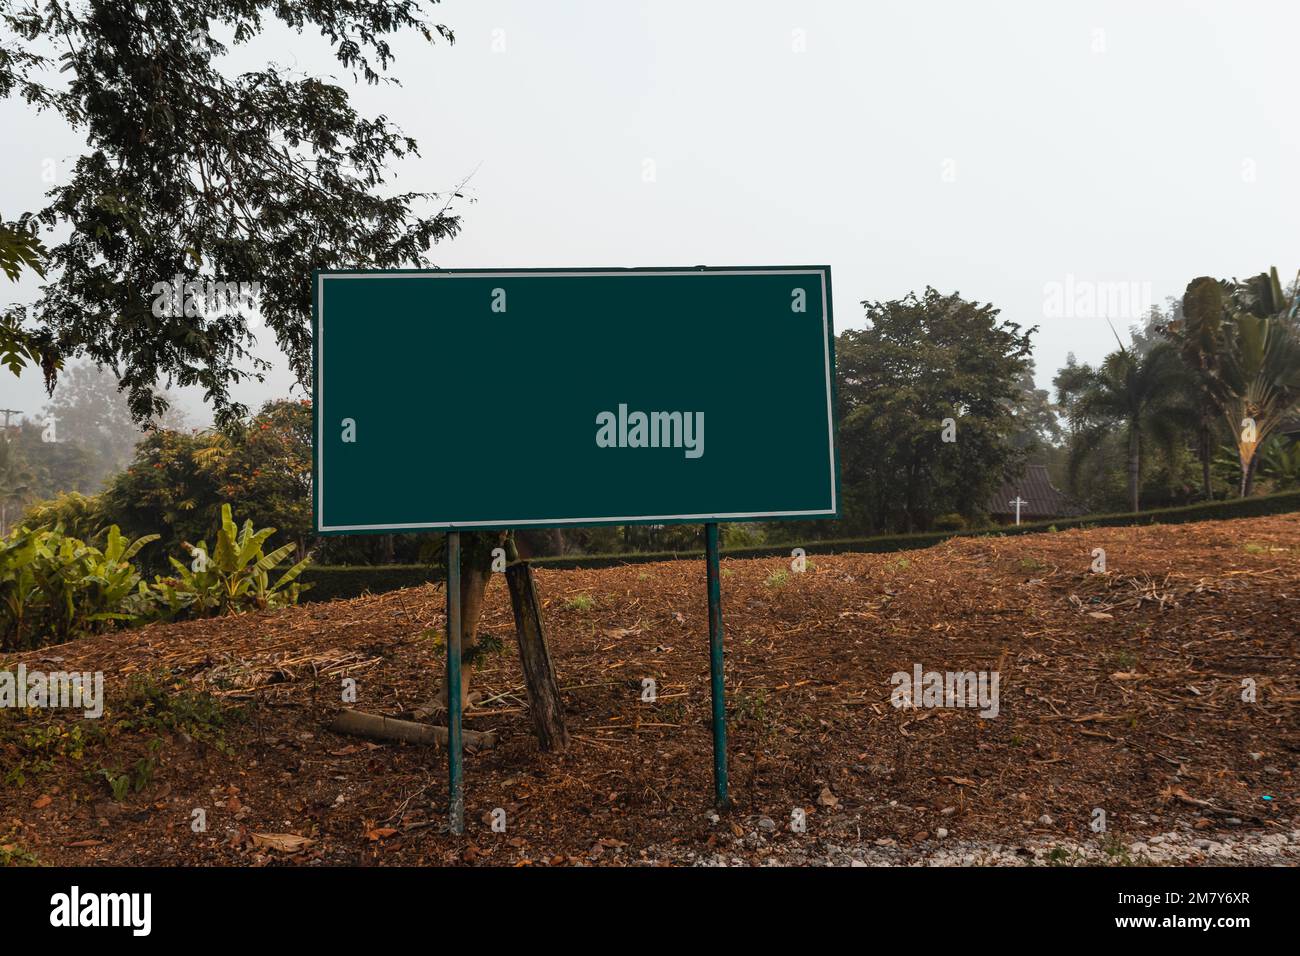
(332, 582)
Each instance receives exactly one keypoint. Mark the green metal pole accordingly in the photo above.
(456, 783)
(718, 691)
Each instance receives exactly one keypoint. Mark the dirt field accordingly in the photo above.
(1120, 690)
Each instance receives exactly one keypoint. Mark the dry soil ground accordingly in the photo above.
(1120, 690)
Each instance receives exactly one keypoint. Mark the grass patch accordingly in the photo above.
(582, 602)
(778, 579)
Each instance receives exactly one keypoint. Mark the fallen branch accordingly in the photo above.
(377, 727)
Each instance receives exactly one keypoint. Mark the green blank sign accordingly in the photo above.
(505, 398)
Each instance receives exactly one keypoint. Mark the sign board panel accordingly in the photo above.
(457, 399)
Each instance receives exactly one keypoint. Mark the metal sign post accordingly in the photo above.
(718, 688)
(455, 779)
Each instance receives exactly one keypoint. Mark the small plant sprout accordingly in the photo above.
(581, 602)
(777, 579)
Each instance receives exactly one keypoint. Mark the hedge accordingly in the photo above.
(330, 582)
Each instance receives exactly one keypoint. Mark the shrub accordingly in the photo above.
(78, 515)
(950, 522)
(235, 576)
(54, 587)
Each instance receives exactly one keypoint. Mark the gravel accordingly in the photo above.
(1182, 846)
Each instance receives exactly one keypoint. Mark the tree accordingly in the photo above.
(90, 410)
(179, 480)
(1199, 335)
(170, 489)
(20, 248)
(57, 466)
(15, 480)
(201, 177)
(920, 362)
(1261, 367)
(1037, 426)
(267, 467)
(194, 178)
(1142, 393)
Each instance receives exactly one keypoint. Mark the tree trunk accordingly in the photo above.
(557, 541)
(1248, 475)
(1134, 465)
(475, 572)
(539, 673)
(1206, 486)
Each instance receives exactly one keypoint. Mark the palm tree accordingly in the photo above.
(1199, 335)
(1145, 393)
(1261, 365)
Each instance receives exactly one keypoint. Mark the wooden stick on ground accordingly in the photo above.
(377, 727)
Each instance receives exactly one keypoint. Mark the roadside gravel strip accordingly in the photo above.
(1184, 846)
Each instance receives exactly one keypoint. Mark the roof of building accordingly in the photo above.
(1040, 497)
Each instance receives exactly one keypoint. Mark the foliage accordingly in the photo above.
(1280, 463)
(54, 587)
(1198, 333)
(1143, 393)
(154, 706)
(178, 480)
(234, 576)
(91, 411)
(259, 177)
(16, 479)
(1261, 369)
(267, 466)
(921, 360)
(56, 466)
(79, 515)
(21, 248)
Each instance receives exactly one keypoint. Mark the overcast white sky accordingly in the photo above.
(986, 148)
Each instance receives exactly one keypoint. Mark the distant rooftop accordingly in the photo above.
(1041, 498)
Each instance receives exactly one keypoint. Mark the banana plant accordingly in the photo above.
(17, 586)
(232, 576)
(56, 587)
(1280, 463)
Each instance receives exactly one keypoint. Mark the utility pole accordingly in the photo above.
(7, 412)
